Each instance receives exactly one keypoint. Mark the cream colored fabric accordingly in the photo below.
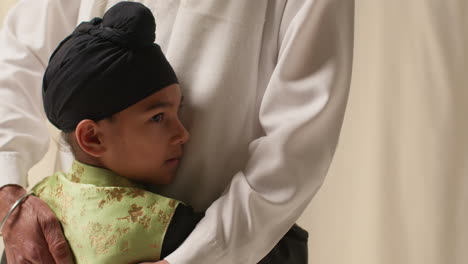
(397, 189)
(5, 5)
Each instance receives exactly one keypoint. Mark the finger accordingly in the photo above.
(58, 245)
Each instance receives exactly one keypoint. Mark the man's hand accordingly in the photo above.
(32, 233)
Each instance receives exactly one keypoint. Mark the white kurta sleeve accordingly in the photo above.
(301, 114)
(31, 31)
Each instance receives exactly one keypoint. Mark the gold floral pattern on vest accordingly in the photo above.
(107, 218)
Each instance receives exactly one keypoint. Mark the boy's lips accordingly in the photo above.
(174, 161)
(177, 155)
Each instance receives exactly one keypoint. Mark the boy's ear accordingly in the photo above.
(89, 138)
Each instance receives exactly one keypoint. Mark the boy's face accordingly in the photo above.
(144, 142)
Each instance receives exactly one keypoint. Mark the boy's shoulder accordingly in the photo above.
(93, 184)
(98, 221)
(62, 187)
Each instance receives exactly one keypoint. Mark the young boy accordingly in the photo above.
(115, 97)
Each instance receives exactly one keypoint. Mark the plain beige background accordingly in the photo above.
(397, 190)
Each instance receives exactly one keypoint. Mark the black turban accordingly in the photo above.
(105, 66)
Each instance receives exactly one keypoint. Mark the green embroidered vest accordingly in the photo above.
(106, 218)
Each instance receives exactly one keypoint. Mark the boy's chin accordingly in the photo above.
(156, 180)
(162, 180)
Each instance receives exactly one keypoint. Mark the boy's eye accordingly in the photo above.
(158, 118)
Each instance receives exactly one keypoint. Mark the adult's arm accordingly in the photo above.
(301, 114)
(31, 30)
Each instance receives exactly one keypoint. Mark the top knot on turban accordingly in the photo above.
(127, 24)
(105, 66)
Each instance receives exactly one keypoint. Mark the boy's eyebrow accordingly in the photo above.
(162, 104)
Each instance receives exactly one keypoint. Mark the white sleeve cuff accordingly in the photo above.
(13, 169)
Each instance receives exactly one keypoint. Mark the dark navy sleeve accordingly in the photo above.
(291, 249)
(182, 224)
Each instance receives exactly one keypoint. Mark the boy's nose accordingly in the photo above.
(182, 135)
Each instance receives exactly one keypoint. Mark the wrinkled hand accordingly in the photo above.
(32, 233)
